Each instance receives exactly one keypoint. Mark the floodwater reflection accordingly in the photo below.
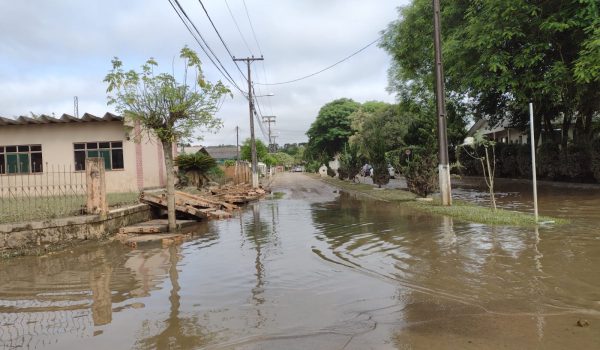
(295, 274)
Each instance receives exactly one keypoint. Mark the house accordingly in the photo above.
(503, 132)
(219, 153)
(133, 159)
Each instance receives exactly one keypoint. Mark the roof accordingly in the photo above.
(222, 152)
(64, 119)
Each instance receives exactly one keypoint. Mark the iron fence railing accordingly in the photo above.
(53, 192)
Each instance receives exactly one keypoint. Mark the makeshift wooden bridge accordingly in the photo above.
(217, 203)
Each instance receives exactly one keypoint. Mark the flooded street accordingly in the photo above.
(319, 270)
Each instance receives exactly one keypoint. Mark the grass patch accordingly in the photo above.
(277, 195)
(460, 210)
(52, 207)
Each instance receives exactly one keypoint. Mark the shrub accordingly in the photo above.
(595, 158)
(350, 162)
(507, 160)
(229, 162)
(548, 161)
(421, 171)
(524, 161)
(199, 162)
(575, 162)
(216, 174)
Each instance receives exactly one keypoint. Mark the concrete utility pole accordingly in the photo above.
(270, 119)
(237, 142)
(248, 61)
(444, 166)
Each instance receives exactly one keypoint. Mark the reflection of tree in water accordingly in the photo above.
(179, 332)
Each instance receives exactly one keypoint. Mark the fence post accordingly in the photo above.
(96, 186)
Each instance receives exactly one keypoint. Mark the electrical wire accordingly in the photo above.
(221, 38)
(252, 27)
(238, 27)
(326, 68)
(206, 49)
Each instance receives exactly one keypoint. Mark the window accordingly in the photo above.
(21, 159)
(112, 152)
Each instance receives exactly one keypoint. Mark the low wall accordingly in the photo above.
(32, 238)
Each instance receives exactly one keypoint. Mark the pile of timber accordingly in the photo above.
(218, 204)
(238, 194)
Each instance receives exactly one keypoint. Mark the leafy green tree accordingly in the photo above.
(169, 109)
(283, 159)
(501, 54)
(330, 131)
(261, 150)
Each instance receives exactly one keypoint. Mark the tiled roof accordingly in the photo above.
(220, 152)
(65, 118)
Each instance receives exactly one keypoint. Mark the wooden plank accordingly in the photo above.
(201, 199)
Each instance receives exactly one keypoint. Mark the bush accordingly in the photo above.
(507, 160)
(330, 172)
(215, 174)
(229, 162)
(312, 166)
(575, 162)
(350, 162)
(548, 161)
(421, 171)
(198, 162)
(524, 161)
(469, 166)
(595, 158)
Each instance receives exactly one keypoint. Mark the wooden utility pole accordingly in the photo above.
(248, 61)
(270, 119)
(444, 166)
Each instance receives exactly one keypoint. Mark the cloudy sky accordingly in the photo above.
(51, 51)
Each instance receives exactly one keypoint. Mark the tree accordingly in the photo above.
(169, 109)
(283, 159)
(246, 150)
(501, 54)
(487, 159)
(331, 129)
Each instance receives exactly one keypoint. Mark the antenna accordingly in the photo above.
(76, 107)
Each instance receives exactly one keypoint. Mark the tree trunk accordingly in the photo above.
(168, 154)
(566, 126)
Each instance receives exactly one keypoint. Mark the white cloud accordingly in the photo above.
(52, 51)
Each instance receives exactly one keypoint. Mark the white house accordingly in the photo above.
(503, 132)
(32, 146)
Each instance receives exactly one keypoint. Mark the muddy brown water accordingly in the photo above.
(315, 270)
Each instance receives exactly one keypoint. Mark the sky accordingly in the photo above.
(51, 51)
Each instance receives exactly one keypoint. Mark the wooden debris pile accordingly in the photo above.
(217, 204)
(238, 194)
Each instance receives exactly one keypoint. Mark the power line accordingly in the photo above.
(222, 70)
(238, 28)
(221, 38)
(252, 27)
(326, 68)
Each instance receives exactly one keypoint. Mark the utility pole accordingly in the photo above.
(270, 119)
(237, 142)
(248, 61)
(444, 166)
(274, 143)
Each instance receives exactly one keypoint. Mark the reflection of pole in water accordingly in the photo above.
(540, 320)
(448, 234)
(257, 291)
(101, 294)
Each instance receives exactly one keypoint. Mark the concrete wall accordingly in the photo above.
(42, 236)
(143, 161)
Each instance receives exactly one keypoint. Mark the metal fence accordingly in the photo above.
(55, 191)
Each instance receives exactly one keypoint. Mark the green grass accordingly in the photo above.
(460, 210)
(45, 208)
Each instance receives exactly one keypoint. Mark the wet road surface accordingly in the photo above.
(319, 270)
